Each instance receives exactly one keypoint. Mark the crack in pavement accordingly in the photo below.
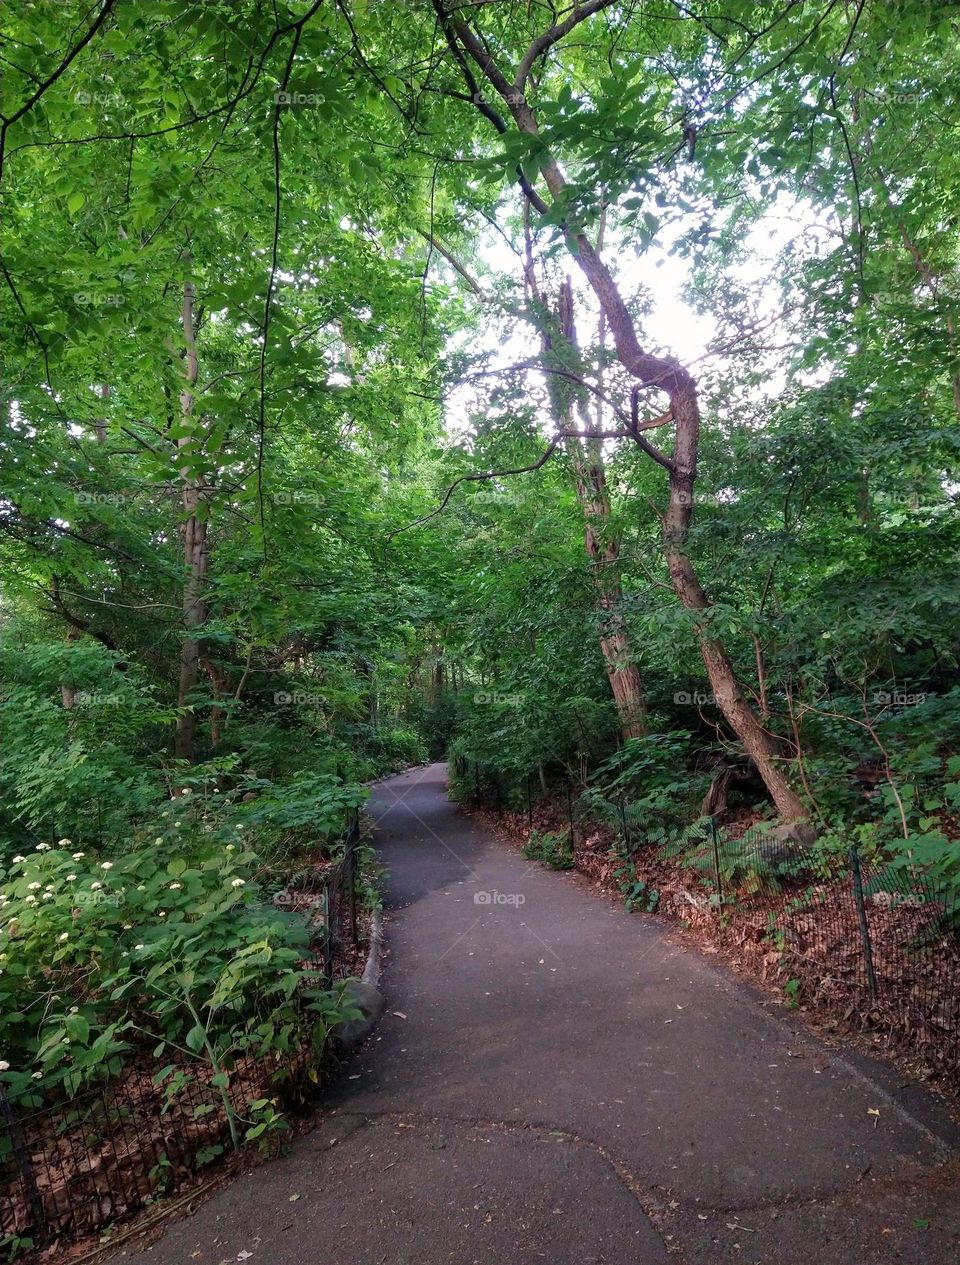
(660, 1207)
(651, 1209)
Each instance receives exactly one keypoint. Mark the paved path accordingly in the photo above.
(556, 1080)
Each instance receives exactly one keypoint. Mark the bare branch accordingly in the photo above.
(635, 429)
(631, 422)
(454, 264)
(478, 476)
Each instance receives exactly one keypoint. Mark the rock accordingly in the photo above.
(785, 847)
(370, 1002)
(801, 833)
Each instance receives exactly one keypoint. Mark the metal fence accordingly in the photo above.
(69, 1169)
(867, 938)
(880, 946)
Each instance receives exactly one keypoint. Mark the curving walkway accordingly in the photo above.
(556, 1080)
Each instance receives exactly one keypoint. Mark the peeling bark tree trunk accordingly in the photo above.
(602, 546)
(68, 695)
(193, 534)
(219, 683)
(663, 373)
(603, 549)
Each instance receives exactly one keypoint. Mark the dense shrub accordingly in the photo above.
(167, 949)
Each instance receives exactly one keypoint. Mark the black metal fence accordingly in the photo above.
(880, 945)
(867, 937)
(69, 1169)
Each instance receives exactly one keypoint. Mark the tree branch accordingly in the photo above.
(556, 32)
(454, 264)
(635, 428)
(478, 476)
(34, 97)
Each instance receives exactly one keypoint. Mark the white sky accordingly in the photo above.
(672, 325)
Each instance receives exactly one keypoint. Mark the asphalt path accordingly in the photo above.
(557, 1080)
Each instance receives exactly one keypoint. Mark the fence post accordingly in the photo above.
(529, 805)
(24, 1165)
(476, 782)
(327, 938)
(857, 877)
(623, 824)
(353, 839)
(570, 813)
(712, 832)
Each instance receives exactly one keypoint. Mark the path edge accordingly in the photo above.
(364, 995)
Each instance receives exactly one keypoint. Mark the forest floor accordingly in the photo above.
(558, 1080)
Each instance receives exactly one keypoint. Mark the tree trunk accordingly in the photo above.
(68, 695)
(758, 743)
(601, 543)
(195, 551)
(219, 682)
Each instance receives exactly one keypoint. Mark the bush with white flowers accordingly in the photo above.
(169, 951)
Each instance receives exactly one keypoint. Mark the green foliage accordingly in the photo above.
(170, 948)
(311, 804)
(354, 296)
(637, 893)
(644, 766)
(552, 848)
(86, 771)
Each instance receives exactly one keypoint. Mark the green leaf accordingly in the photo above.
(78, 1029)
(196, 1037)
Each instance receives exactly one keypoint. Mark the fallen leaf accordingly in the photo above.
(398, 1013)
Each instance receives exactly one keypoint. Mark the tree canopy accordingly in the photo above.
(347, 423)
